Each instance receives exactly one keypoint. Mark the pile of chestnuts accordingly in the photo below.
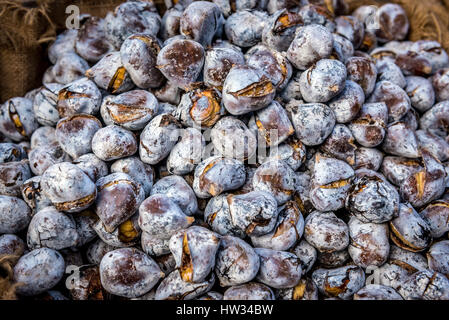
(231, 149)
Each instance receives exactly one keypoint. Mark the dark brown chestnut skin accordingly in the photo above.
(363, 72)
(395, 98)
(369, 127)
(181, 62)
(118, 198)
(340, 144)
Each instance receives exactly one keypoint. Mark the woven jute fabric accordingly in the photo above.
(7, 284)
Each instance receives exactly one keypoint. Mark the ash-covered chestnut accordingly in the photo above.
(161, 217)
(425, 285)
(348, 103)
(194, 250)
(436, 215)
(323, 81)
(278, 269)
(217, 215)
(433, 52)
(244, 28)
(273, 64)
(81, 96)
(288, 230)
(91, 40)
(397, 169)
(232, 138)
(125, 235)
(236, 262)
(246, 89)
(326, 232)
(438, 257)
(311, 44)
(11, 152)
(393, 23)
(304, 290)
(12, 176)
(92, 166)
(313, 122)
(158, 138)
(88, 286)
(43, 136)
(363, 72)
(281, 28)
(276, 177)
(272, 124)
(341, 282)
(331, 181)
(369, 158)
(394, 97)
(128, 272)
(138, 54)
(45, 104)
(351, 28)
(218, 62)
(64, 43)
(200, 21)
(315, 13)
(113, 142)
(409, 230)
(69, 67)
(245, 212)
(181, 61)
(217, 174)
(340, 144)
(177, 189)
(131, 18)
(15, 215)
(421, 93)
(132, 110)
(249, 291)
(377, 292)
(436, 119)
(173, 287)
(342, 48)
(52, 229)
(425, 185)
(68, 187)
(28, 271)
(200, 107)
(75, 133)
(369, 243)
(96, 250)
(33, 195)
(119, 197)
(434, 144)
(137, 170)
(154, 245)
(11, 244)
(17, 120)
(110, 74)
(292, 152)
(187, 153)
(332, 260)
(371, 198)
(306, 253)
(400, 140)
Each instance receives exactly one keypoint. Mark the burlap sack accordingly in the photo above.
(25, 30)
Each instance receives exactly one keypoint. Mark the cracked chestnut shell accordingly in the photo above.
(236, 262)
(278, 269)
(341, 282)
(281, 28)
(12, 176)
(132, 110)
(172, 287)
(217, 174)
(348, 103)
(118, 198)
(194, 250)
(68, 187)
(363, 72)
(249, 291)
(110, 74)
(409, 230)
(81, 96)
(15, 215)
(17, 120)
(52, 229)
(425, 285)
(437, 216)
(246, 89)
(371, 198)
